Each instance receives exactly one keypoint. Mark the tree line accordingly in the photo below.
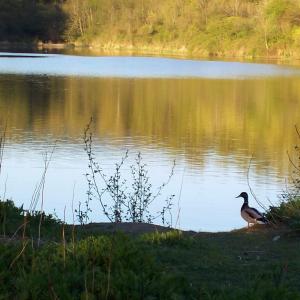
(246, 27)
(32, 20)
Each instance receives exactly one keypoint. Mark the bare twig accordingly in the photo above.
(251, 190)
(94, 169)
(161, 187)
(63, 238)
(19, 228)
(42, 185)
(110, 265)
(17, 257)
(73, 217)
(86, 287)
(25, 221)
(2, 143)
(297, 131)
(178, 203)
(5, 187)
(39, 187)
(291, 161)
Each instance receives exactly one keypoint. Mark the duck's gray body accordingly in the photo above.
(249, 214)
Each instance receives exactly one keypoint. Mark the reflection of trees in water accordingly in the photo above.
(197, 116)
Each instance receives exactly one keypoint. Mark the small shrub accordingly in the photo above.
(119, 200)
(288, 210)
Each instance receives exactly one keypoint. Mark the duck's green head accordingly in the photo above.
(243, 195)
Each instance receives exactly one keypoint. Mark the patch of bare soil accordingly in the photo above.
(141, 228)
(130, 228)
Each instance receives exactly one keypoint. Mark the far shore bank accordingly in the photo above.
(143, 49)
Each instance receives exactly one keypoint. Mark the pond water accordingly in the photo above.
(210, 117)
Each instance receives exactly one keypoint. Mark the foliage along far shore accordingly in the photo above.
(246, 28)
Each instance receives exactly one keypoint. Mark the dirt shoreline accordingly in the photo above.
(113, 48)
(144, 228)
(128, 228)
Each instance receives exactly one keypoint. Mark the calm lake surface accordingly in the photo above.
(210, 117)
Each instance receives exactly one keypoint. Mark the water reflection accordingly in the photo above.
(191, 116)
(211, 127)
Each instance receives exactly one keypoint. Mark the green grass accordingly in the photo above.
(168, 265)
(13, 222)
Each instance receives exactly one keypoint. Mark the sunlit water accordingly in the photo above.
(210, 117)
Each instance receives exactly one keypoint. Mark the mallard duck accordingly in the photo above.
(250, 214)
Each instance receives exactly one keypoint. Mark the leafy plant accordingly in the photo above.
(288, 210)
(125, 204)
(83, 214)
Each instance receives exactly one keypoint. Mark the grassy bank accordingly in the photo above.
(140, 261)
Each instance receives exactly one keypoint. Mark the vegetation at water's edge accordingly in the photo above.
(208, 27)
(287, 212)
(167, 265)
